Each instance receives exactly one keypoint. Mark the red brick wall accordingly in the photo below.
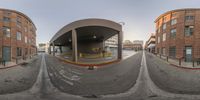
(181, 40)
(12, 41)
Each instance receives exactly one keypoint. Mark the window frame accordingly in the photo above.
(19, 36)
(6, 32)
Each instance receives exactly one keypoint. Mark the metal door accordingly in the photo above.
(188, 54)
(6, 53)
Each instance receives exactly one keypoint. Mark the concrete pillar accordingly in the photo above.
(49, 49)
(103, 45)
(74, 46)
(60, 47)
(120, 37)
(53, 49)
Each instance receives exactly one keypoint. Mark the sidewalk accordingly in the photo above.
(176, 62)
(12, 64)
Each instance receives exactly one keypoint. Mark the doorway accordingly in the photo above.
(188, 53)
(6, 53)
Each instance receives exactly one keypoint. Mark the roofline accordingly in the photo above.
(183, 9)
(82, 20)
(15, 11)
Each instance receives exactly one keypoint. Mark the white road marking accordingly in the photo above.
(68, 82)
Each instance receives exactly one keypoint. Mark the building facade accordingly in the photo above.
(127, 45)
(112, 42)
(150, 44)
(137, 45)
(43, 47)
(17, 36)
(87, 37)
(178, 34)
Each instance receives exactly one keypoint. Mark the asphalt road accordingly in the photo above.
(20, 77)
(173, 79)
(43, 89)
(110, 79)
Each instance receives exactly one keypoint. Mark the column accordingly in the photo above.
(60, 49)
(53, 49)
(49, 49)
(74, 45)
(120, 45)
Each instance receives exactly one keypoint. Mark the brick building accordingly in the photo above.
(137, 45)
(17, 35)
(127, 45)
(178, 34)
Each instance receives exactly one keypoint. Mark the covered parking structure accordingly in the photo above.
(83, 36)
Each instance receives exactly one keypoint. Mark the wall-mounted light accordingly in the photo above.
(70, 40)
(94, 36)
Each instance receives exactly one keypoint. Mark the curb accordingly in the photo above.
(182, 67)
(86, 65)
(177, 66)
(10, 66)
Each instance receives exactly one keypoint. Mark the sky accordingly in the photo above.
(50, 16)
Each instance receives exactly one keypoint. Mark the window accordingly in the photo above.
(18, 19)
(164, 26)
(19, 51)
(26, 39)
(164, 37)
(19, 36)
(173, 21)
(188, 18)
(6, 19)
(189, 30)
(6, 13)
(189, 11)
(29, 41)
(163, 51)
(165, 19)
(25, 29)
(173, 15)
(19, 24)
(172, 51)
(6, 31)
(173, 33)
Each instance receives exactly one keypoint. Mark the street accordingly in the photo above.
(126, 80)
(108, 79)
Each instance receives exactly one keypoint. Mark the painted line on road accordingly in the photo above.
(75, 72)
(70, 76)
(68, 82)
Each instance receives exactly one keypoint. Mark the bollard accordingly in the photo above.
(179, 61)
(193, 63)
(167, 58)
(4, 63)
(160, 56)
(16, 61)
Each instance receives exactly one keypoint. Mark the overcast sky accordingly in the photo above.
(51, 15)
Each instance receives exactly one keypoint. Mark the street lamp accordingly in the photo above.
(122, 23)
